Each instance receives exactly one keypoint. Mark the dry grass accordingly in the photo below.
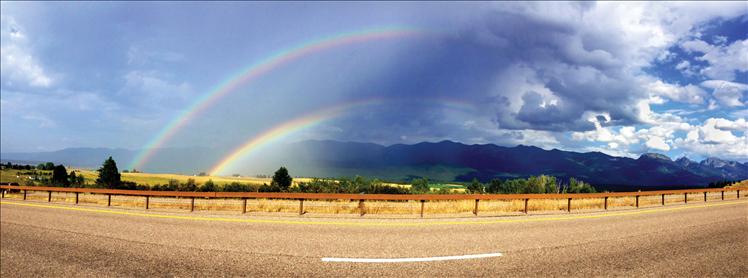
(160, 178)
(344, 207)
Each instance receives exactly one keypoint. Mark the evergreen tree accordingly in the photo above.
(109, 176)
(282, 179)
(60, 176)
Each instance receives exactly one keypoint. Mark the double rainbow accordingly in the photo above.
(280, 131)
(292, 126)
(258, 69)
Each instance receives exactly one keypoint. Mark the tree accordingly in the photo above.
(420, 185)
(60, 176)
(190, 185)
(282, 179)
(475, 187)
(577, 186)
(72, 178)
(80, 181)
(208, 186)
(109, 176)
(494, 186)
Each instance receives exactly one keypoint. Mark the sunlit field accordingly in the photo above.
(373, 208)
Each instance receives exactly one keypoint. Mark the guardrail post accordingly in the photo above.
(685, 198)
(606, 202)
(361, 207)
(24, 194)
(568, 205)
(49, 196)
(192, 204)
(244, 205)
(526, 205)
(146, 201)
(76, 198)
(423, 203)
(109, 200)
(704, 196)
(301, 206)
(637, 201)
(723, 195)
(475, 210)
(663, 199)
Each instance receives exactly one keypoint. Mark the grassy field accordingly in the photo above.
(378, 208)
(22, 177)
(10, 175)
(409, 208)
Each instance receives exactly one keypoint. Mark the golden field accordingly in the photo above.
(375, 208)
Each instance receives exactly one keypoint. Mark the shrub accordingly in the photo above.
(238, 187)
(189, 185)
(208, 186)
(475, 187)
(420, 186)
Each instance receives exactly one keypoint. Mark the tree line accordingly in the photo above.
(110, 177)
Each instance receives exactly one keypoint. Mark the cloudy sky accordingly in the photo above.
(621, 78)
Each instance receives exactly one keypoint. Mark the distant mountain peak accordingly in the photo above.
(684, 161)
(655, 156)
(717, 163)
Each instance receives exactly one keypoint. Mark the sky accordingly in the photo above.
(619, 78)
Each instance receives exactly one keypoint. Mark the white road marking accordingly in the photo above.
(410, 260)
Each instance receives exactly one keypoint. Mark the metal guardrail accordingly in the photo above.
(423, 198)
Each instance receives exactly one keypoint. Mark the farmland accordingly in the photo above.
(24, 177)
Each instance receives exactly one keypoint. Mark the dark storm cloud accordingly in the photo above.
(564, 74)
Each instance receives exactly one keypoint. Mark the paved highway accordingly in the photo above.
(694, 240)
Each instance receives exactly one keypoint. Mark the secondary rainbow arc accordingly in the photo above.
(258, 69)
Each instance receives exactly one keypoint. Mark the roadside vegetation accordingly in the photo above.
(108, 176)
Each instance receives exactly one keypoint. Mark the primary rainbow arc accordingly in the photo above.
(258, 69)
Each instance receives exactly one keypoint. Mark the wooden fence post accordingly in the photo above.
(192, 204)
(704, 196)
(301, 206)
(637, 201)
(24, 194)
(423, 203)
(361, 207)
(109, 200)
(606, 202)
(685, 198)
(475, 210)
(244, 205)
(723, 195)
(49, 196)
(738, 193)
(526, 199)
(3, 194)
(568, 205)
(76, 198)
(147, 199)
(663, 199)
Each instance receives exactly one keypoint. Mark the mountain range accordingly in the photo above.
(441, 161)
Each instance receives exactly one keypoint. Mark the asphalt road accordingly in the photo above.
(695, 240)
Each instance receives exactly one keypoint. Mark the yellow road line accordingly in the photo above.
(389, 224)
